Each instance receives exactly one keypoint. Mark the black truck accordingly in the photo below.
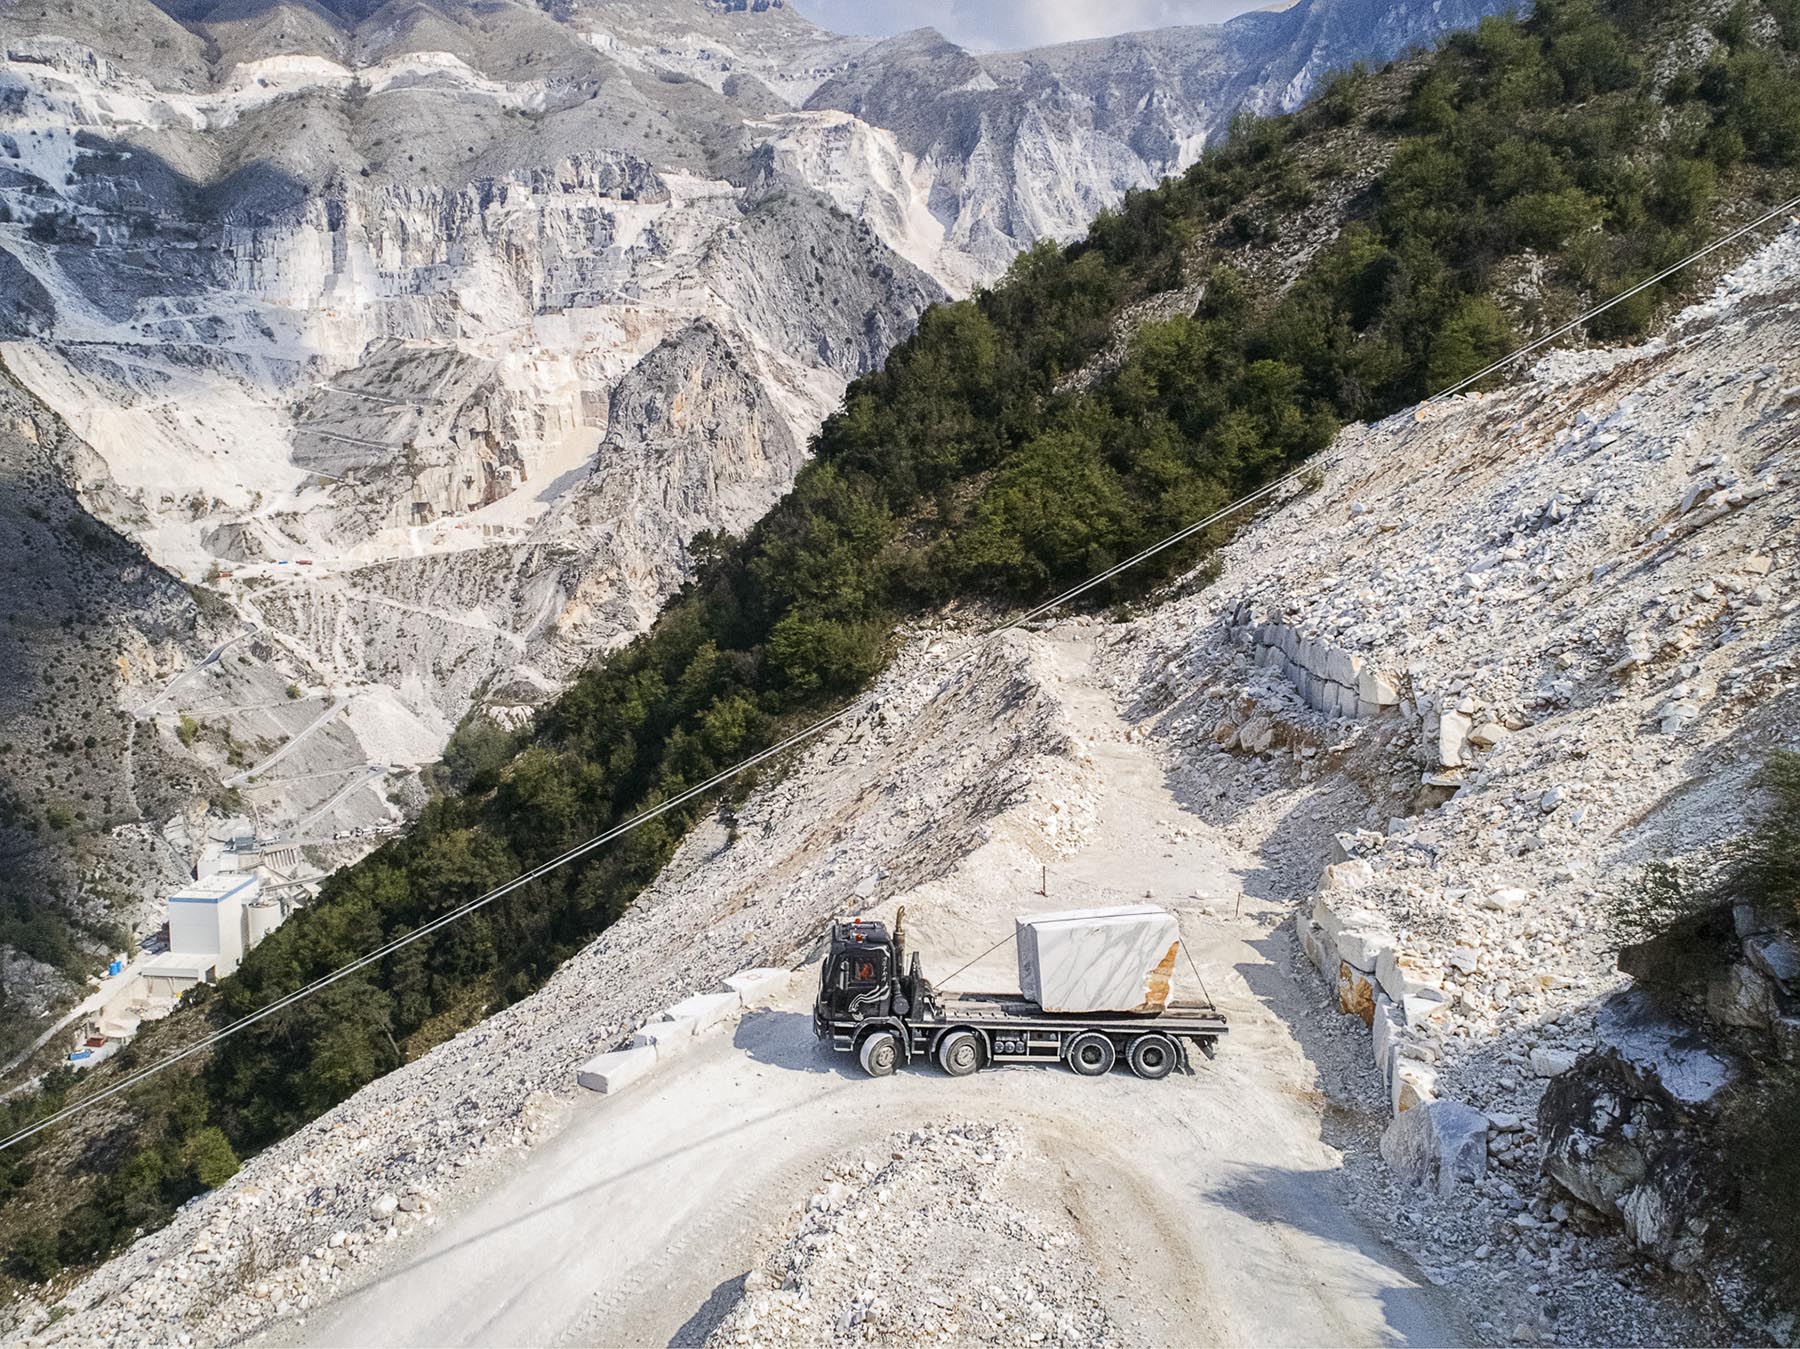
(869, 1007)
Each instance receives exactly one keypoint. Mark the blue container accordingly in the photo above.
(117, 967)
(81, 1054)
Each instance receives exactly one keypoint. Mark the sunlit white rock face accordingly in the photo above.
(480, 314)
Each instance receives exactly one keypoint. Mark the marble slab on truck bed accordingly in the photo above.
(1098, 960)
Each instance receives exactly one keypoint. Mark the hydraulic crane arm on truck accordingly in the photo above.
(872, 1004)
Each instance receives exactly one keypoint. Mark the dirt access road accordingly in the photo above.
(1214, 1210)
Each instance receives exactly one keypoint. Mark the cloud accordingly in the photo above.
(1003, 25)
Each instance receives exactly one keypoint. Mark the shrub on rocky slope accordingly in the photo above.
(1333, 265)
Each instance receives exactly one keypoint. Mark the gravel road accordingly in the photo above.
(1217, 1213)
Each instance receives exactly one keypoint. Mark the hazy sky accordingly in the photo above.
(1009, 24)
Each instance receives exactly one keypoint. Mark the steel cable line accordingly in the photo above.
(824, 723)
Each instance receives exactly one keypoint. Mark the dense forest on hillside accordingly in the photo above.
(1474, 197)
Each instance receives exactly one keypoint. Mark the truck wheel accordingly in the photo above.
(1152, 1057)
(1092, 1054)
(880, 1053)
(959, 1053)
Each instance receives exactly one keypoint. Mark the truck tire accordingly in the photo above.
(959, 1053)
(879, 1053)
(1152, 1056)
(1091, 1054)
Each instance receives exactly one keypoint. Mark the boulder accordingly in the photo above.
(666, 1038)
(1550, 1062)
(1420, 1009)
(1739, 995)
(1350, 875)
(1437, 1145)
(1636, 653)
(1677, 715)
(1319, 949)
(1777, 956)
(610, 1073)
(1336, 917)
(1505, 900)
(1256, 735)
(1356, 992)
(705, 1010)
(1363, 947)
(1375, 690)
(1414, 1084)
(1626, 1130)
(1387, 1030)
(1637, 1158)
(1401, 976)
(759, 983)
(1453, 737)
(1342, 667)
(1488, 734)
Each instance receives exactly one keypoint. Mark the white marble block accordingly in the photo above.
(1098, 960)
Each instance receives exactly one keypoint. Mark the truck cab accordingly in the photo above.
(863, 978)
(856, 982)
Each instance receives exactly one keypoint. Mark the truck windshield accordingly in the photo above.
(860, 970)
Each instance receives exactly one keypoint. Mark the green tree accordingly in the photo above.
(1477, 334)
(1547, 219)
(208, 1158)
(33, 1258)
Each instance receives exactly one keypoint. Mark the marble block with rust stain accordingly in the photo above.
(1098, 960)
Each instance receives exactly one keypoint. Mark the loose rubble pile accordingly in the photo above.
(1579, 603)
(880, 1253)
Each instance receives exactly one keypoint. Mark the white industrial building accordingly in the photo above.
(207, 918)
(212, 922)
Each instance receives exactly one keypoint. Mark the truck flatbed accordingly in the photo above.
(1015, 1006)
